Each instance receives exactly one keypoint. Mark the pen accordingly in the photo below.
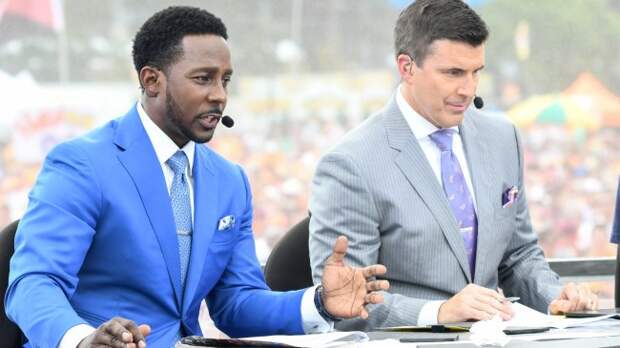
(427, 339)
(509, 299)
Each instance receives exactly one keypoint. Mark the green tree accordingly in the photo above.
(566, 38)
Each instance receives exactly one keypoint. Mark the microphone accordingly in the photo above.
(478, 102)
(228, 121)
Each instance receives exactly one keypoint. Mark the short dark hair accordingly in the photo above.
(158, 42)
(425, 21)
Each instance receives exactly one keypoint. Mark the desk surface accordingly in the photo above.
(515, 343)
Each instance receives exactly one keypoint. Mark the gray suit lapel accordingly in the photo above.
(415, 167)
(476, 153)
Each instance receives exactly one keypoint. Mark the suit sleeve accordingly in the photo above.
(341, 204)
(51, 242)
(240, 303)
(524, 271)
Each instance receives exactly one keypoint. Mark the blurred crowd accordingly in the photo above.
(571, 175)
(571, 179)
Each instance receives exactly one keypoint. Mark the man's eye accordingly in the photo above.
(226, 81)
(202, 78)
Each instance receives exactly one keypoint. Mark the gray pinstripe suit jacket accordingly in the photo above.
(377, 188)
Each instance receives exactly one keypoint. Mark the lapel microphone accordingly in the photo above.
(478, 102)
(229, 122)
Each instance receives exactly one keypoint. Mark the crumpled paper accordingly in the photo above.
(489, 332)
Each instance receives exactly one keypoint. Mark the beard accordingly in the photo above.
(174, 117)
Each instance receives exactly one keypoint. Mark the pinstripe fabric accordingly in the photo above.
(377, 188)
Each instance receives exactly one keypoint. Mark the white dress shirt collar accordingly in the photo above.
(163, 145)
(420, 126)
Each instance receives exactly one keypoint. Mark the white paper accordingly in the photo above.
(489, 332)
(528, 317)
(564, 334)
(325, 340)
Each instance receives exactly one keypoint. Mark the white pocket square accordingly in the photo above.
(226, 223)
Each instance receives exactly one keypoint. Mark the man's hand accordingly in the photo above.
(574, 297)
(474, 303)
(346, 290)
(117, 332)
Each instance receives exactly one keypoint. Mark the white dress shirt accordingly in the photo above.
(422, 129)
(164, 147)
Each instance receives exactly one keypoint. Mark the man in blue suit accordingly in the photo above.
(129, 227)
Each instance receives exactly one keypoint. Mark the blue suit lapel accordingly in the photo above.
(205, 218)
(139, 159)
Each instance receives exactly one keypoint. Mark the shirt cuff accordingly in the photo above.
(429, 313)
(75, 335)
(312, 321)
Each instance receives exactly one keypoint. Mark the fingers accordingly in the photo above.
(503, 309)
(477, 314)
(574, 298)
(373, 297)
(340, 249)
(377, 285)
(477, 303)
(594, 302)
(559, 306)
(569, 292)
(584, 297)
(144, 329)
(374, 270)
(118, 331)
(106, 339)
(486, 304)
(587, 298)
(364, 313)
(136, 333)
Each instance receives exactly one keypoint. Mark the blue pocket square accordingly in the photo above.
(509, 196)
(226, 223)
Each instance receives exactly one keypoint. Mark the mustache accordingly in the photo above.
(211, 112)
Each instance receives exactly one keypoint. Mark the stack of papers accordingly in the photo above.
(528, 317)
(326, 340)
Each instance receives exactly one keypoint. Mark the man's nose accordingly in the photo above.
(218, 93)
(468, 88)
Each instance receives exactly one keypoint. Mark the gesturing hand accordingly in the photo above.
(346, 289)
(117, 332)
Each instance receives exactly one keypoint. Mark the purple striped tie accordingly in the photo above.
(458, 195)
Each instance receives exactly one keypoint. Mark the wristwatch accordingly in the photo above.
(318, 302)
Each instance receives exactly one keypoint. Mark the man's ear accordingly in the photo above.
(405, 66)
(151, 80)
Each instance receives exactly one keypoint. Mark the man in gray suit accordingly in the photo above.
(434, 191)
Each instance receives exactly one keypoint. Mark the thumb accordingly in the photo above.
(144, 329)
(340, 249)
(559, 306)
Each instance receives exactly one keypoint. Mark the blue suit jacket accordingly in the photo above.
(99, 240)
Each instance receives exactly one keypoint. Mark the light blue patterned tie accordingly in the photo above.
(181, 208)
(457, 192)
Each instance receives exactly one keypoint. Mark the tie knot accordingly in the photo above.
(443, 139)
(178, 162)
